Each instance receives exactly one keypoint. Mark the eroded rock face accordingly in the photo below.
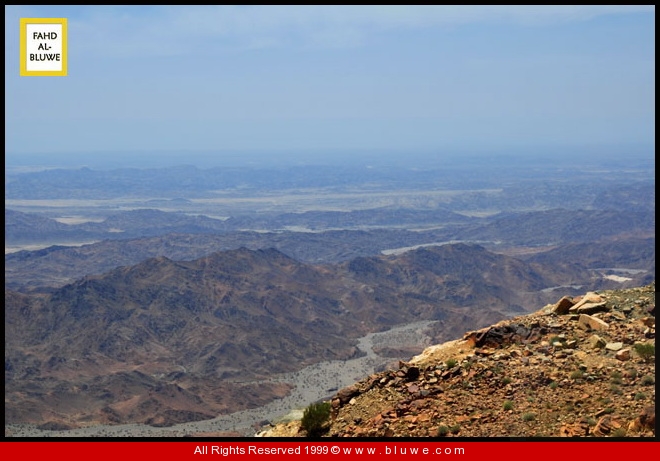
(545, 374)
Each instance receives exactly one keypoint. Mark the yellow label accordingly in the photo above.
(43, 47)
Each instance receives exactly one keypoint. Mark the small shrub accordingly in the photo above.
(616, 389)
(640, 396)
(528, 416)
(451, 363)
(506, 380)
(645, 350)
(314, 418)
(508, 405)
(620, 432)
(648, 380)
(443, 430)
(553, 385)
(631, 373)
(616, 377)
(455, 429)
(577, 374)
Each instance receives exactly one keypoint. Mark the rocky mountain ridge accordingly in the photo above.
(581, 367)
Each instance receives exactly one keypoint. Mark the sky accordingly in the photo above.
(344, 78)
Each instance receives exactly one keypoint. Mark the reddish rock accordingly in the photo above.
(347, 393)
(606, 425)
(580, 429)
(413, 388)
(623, 355)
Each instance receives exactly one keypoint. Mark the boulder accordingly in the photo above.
(623, 355)
(589, 298)
(347, 393)
(562, 306)
(591, 308)
(588, 322)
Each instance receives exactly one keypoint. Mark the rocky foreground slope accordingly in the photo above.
(582, 367)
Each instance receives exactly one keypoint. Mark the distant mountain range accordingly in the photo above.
(623, 239)
(24, 228)
(577, 177)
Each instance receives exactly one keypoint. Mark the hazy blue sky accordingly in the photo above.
(336, 77)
